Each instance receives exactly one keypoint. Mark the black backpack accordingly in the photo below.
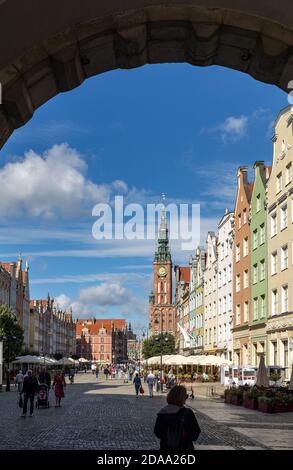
(175, 432)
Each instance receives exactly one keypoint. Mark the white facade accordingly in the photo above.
(210, 296)
(225, 286)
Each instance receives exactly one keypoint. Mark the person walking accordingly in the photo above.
(137, 383)
(58, 385)
(97, 372)
(150, 380)
(19, 381)
(106, 372)
(29, 389)
(176, 426)
(113, 372)
(45, 377)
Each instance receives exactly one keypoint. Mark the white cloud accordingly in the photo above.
(233, 128)
(51, 184)
(104, 294)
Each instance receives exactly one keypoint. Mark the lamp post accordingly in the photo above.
(161, 338)
(8, 337)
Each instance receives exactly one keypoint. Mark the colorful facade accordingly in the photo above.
(241, 270)
(280, 246)
(225, 285)
(258, 263)
(210, 296)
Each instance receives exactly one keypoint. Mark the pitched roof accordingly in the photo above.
(94, 325)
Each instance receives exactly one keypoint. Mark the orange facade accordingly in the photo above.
(241, 270)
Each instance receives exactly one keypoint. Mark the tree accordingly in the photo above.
(11, 333)
(75, 357)
(58, 356)
(163, 344)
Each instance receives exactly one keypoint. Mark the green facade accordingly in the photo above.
(258, 256)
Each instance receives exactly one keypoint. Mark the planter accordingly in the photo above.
(251, 403)
(283, 407)
(266, 407)
(236, 400)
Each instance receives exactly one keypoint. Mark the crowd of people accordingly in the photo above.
(28, 385)
(176, 426)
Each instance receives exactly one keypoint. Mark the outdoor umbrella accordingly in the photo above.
(291, 380)
(82, 359)
(262, 379)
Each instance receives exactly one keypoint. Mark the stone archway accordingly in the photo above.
(51, 47)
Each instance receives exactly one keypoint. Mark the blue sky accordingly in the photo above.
(174, 128)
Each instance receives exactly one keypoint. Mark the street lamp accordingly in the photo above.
(8, 337)
(161, 355)
(145, 333)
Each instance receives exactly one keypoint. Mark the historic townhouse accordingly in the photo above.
(225, 285)
(241, 270)
(54, 329)
(18, 298)
(210, 296)
(196, 302)
(161, 309)
(280, 245)
(103, 341)
(5, 281)
(182, 280)
(258, 262)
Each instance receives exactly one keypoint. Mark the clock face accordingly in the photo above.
(162, 271)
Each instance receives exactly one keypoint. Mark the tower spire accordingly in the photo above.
(163, 253)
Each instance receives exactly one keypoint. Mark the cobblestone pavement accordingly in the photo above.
(106, 415)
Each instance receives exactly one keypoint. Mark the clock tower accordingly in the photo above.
(160, 299)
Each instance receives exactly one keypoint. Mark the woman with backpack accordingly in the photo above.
(176, 426)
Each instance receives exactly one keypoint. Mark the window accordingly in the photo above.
(239, 220)
(210, 336)
(274, 302)
(246, 311)
(285, 298)
(262, 306)
(258, 203)
(274, 263)
(262, 270)
(284, 217)
(279, 183)
(229, 273)
(219, 279)
(244, 217)
(215, 335)
(230, 302)
(262, 234)
(284, 257)
(222, 251)
(255, 274)
(224, 276)
(288, 173)
(273, 224)
(245, 279)
(238, 283)
(245, 246)
(214, 309)
(224, 304)
(237, 253)
(255, 308)
(237, 314)
(255, 239)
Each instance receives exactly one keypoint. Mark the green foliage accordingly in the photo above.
(156, 345)
(11, 333)
(75, 357)
(58, 356)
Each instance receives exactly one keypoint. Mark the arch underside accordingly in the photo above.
(195, 35)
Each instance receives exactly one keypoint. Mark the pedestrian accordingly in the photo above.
(137, 383)
(29, 389)
(58, 385)
(113, 372)
(19, 381)
(176, 426)
(93, 367)
(106, 372)
(150, 380)
(45, 377)
(97, 372)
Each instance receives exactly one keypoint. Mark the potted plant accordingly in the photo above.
(227, 395)
(236, 396)
(283, 402)
(266, 404)
(251, 398)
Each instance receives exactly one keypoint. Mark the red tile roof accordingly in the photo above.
(184, 273)
(93, 325)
